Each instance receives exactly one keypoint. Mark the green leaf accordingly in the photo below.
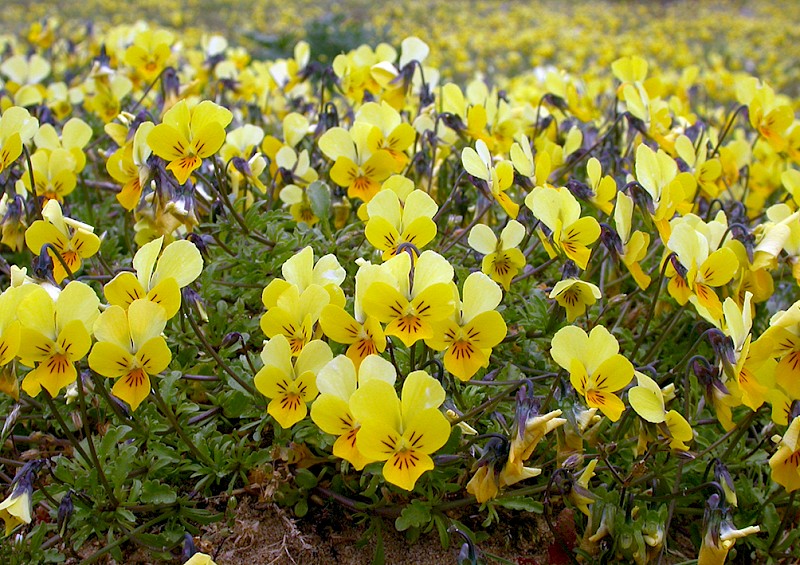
(301, 508)
(521, 503)
(417, 514)
(379, 558)
(110, 440)
(154, 492)
(319, 196)
(305, 479)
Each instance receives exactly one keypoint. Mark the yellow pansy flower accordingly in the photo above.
(74, 136)
(186, 136)
(404, 431)
(575, 295)
(647, 400)
(390, 133)
(53, 174)
(290, 385)
(410, 308)
(570, 234)
(16, 508)
(476, 327)
(128, 166)
(337, 382)
(634, 243)
(301, 271)
(391, 224)
(502, 260)
(55, 334)
(355, 166)
(478, 162)
(596, 369)
(362, 333)
(157, 278)
(130, 348)
(17, 127)
(74, 241)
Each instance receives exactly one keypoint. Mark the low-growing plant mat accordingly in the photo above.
(508, 283)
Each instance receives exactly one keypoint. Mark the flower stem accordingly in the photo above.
(173, 420)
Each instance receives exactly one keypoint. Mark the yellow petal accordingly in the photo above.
(110, 360)
(123, 289)
(166, 294)
(181, 260)
(154, 356)
(133, 388)
(167, 142)
(338, 325)
(332, 414)
(77, 301)
(463, 359)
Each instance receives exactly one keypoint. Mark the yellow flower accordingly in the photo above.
(337, 382)
(74, 136)
(502, 260)
(53, 174)
(476, 327)
(17, 127)
(159, 279)
(560, 212)
(478, 163)
(16, 509)
(74, 241)
(362, 333)
(130, 348)
(634, 244)
(647, 400)
(604, 188)
(785, 462)
(149, 53)
(596, 369)
(355, 166)
(55, 334)
(390, 133)
(705, 268)
(290, 385)
(295, 314)
(128, 166)
(401, 431)
(187, 136)
(391, 224)
(575, 295)
(410, 307)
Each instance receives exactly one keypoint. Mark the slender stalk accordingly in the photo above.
(173, 420)
(90, 442)
(210, 350)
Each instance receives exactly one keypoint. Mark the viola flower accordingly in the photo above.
(362, 333)
(130, 348)
(74, 241)
(53, 174)
(74, 136)
(706, 171)
(16, 509)
(475, 328)
(337, 382)
(17, 127)
(294, 315)
(634, 244)
(647, 400)
(704, 269)
(55, 334)
(159, 279)
(355, 166)
(411, 307)
(128, 166)
(603, 188)
(596, 369)
(390, 133)
(187, 136)
(575, 295)
(301, 271)
(720, 533)
(391, 224)
(149, 53)
(404, 431)
(785, 462)
(290, 385)
(657, 173)
(478, 163)
(502, 260)
(570, 234)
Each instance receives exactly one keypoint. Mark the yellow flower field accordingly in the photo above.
(457, 271)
